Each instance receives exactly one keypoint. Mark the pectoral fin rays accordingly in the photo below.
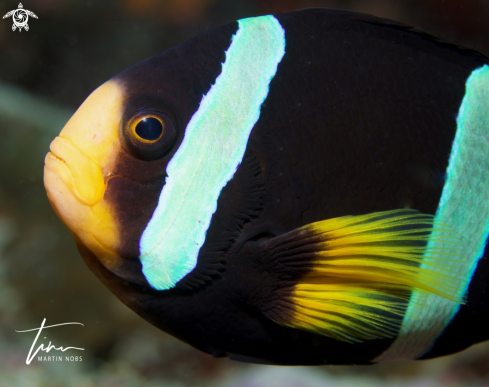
(358, 272)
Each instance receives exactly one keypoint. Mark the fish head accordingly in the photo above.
(106, 169)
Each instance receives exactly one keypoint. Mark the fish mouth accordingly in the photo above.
(78, 168)
(79, 173)
(82, 209)
(75, 188)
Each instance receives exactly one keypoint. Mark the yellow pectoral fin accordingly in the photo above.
(359, 272)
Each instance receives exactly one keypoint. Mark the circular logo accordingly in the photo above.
(20, 18)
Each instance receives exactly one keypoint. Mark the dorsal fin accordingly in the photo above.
(394, 24)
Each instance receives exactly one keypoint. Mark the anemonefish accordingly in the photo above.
(307, 188)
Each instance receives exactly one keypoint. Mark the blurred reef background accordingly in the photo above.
(45, 74)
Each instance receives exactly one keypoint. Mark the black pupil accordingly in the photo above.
(149, 128)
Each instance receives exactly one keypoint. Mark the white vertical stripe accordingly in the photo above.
(213, 146)
(464, 205)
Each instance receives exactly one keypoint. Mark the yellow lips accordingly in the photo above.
(77, 169)
(78, 172)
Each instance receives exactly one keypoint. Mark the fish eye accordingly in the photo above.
(149, 128)
(149, 134)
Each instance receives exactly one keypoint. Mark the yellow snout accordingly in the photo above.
(77, 169)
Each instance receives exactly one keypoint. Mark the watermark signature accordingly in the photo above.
(20, 16)
(50, 346)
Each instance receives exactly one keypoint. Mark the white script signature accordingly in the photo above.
(50, 346)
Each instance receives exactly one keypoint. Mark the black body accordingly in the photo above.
(360, 118)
